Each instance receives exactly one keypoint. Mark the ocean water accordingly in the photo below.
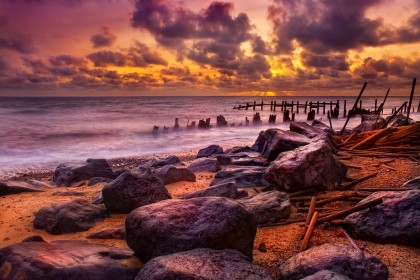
(38, 133)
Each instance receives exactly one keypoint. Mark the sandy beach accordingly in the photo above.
(281, 242)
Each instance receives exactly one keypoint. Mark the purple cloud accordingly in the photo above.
(104, 38)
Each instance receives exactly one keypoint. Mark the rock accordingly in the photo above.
(14, 187)
(68, 194)
(66, 174)
(268, 207)
(204, 165)
(109, 233)
(306, 129)
(34, 238)
(171, 174)
(400, 120)
(131, 190)
(177, 225)
(41, 184)
(203, 264)
(322, 126)
(97, 180)
(209, 151)
(98, 198)
(238, 149)
(250, 162)
(278, 141)
(326, 275)
(65, 260)
(73, 216)
(228, 190)
(171, 160)
(412, 184)
(258, 146)
(224, 159)
(396, 220)
(369, 123)
(310, 166)
(244, 177)
(340, 259)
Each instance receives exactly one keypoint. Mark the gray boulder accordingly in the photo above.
(326, 275)
(340, 259)
(310, 166)
(396, 220)
(277, 141)
(65, 260)
(412, 184)
(322, 126)
(209, 151)
(171, 174)
(131, 190)
(369, 123)
(204, 165)
(268, 207)
(66, 174)
(228, 190)
(243, 176)
(14, 187)
(203, 264)
(171, 160)
(305, 129)
(178, 225)
(74, 216)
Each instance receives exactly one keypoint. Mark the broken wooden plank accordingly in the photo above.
(309, 232)
(371, 140)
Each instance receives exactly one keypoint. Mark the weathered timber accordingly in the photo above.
(301, 192)
(370, 141)
(411, 99)
(357, 181)
(351, 241)
(308, 234)
(309, 216)
(354, 107)
(351, 210)
(383, 190)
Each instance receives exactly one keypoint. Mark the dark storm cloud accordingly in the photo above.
(335, 62)
(138, 55)
(259, 45)
(322, 26)
(19, 43)
(61, 60)
(395, 66)
(104, 38)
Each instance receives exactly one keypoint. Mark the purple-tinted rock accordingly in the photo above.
(65, 260)
(326, 275)
(66, 174)
(341, 259)
(178, 225)
(171, 174)
(97, 180)
(244, 176)
(268, 207)
(412, 184)
(209, 151)
(305, 129)
(396, 220)
(228, 190)
(310, 166)
(203, 264)
(131, 190)
(204, 165)
(15, 187)
(109, 233)
(171, 160)
(73, 216)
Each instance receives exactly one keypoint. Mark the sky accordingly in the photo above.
(244, 47)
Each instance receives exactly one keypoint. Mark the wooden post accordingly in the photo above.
(331, 106)
(395, 113)
(292, 105)
(418, 108)
(329, 119)
(376, 104)
(310, 106)
(282, 105)
(306, 105)
(361, 105)
(286, 117)
(255, 103)
(308, 233)
(354, 107)
(247, 105)
(293, 117)
(275, 105)
(271, 105)
(262, 105)
(317, 107)
(345, 109)
(176, 123)
(323, 108)
(411, 99)
(297, 107)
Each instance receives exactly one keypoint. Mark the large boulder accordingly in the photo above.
(209, 151)
(131, 190)
(396, 220)
(66, 174)
(369, 123)
(228, 190)
(243, 176)
(109, 233)
(171, 174)
(322, 126)
(73, 216)
(14, 187)
(412, 184)
(310, 166)
(65, 260)
(238, 149)
(268, 207)
(305, 129)
(277, 141)
(178, 225)
(204, 165)
(203, 264)
(340, 259)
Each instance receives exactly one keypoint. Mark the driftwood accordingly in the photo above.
(309, 216)
(354, 107)
(308, 234)
(370, 141)
(351, 210)
(283, 223)
(333, 199)
(301, 192)
(319, 209)
(384, 189)
(357, 181)
(353, 244)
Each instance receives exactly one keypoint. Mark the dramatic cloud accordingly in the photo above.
(138, 55)
(335, 62)
(104, 38)
(19, 43)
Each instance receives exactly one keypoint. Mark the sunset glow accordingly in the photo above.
(165, 47)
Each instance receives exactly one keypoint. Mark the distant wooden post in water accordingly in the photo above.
(311, 115)
(286, 117)
(176, 123)
(272, 119)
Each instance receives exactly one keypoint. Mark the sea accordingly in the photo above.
(37, 133)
